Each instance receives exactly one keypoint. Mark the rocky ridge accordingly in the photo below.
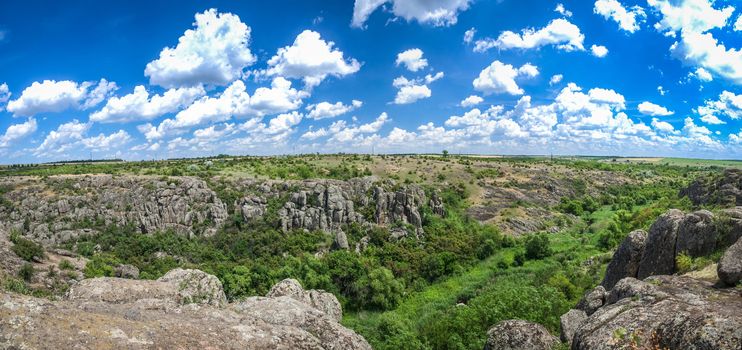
(183, 309)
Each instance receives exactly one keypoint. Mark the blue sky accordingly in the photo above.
(143, 80)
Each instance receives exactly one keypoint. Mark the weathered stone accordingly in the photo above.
(519, 335)
(659, 251)
(318, 299)
(113, 313)
(724, 189)
(592, 300)
(196, 286)
(697, 234)
(570, 322)
(730, 265)
(341, 240)
(625, 261)
(665, 312)
(126, 271)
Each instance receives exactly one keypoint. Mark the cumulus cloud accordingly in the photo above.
(312, 59)
(325, 110)
(17, 132)
(738, 24)
(72, 136)
(696, 46)
(436, 13)
(234, 101)
(500, 78)
(628, 20)
(215, 52)
(599, 51)
(559, 32)
(728, 105)
(139, 105)
(470, 101)
(663, 127)
(412, 59)
(50, 96)
(411, 91)
(469, 35)
(341, 132)
(703, 75)
(4, 94)
(651, 109)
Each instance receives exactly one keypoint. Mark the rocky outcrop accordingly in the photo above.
(730, 265)
(519, 335)
(666, 312)
(626, 259)
(659, 251)
(136, 314)
(126, 271)
(570, 323)
(723, 189)
(593, 300)
(195, 286)
(53, 210)
(696, 234)
(318, 299)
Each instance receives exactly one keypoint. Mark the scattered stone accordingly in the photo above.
(126, 271)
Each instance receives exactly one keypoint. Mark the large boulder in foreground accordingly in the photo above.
(697, 234)
(184, 309)
(659, 251)
(318, 299)
(570, 323)
(626, 259)
(664, 312)
(730, 265)
(519, 335)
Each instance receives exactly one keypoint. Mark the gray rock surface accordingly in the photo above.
(126, 271)
(196, 286)
(113, 313)
(659, 251)
(570, 322)
(666, 312)
(625, 261)
(730, 265)
(519, 335)
(697, 234)
(592, 300)
(318, 299)
(723, 189)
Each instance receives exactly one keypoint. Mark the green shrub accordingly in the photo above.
(683, 263)
(27, 249)
(26, 272)
(66, 265)
(537, 246)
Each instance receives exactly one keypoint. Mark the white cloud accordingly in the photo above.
(412, 59)
(343, 133)
(411, 91)
(284, 122)
(52, 96)
(107, 142)
(599, 51)
(712, 119)
(324, 110)
(469, 35)
(312, 59)
(663, 127)
(234, 101)
(499, 78)
(63, 139)
(556, 79)
(696, 16)
(703, 75)
(628, 20)
(215, 52)
(738, 24)
(661, 90)
(437, 13)
(559, 32)
(4, 94)
(728, 105)
(696, 47)
(651, 109)
(315, 134)
(607, 96)
(736, 139)
(16, 132)
(472, 100)
(561, 10)
(139, 105)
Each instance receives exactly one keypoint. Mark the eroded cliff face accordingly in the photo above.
(56, 209)
(724, 189)
(185, 309)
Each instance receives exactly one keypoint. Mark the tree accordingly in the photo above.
(379, 289)
(445, 153)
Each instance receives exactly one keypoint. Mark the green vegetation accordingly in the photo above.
(26, 249)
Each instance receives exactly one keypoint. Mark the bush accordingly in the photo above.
(66, 265)
(100, 266)
(27, 249)
(683, 263)
(26, 272)
(537, 246)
